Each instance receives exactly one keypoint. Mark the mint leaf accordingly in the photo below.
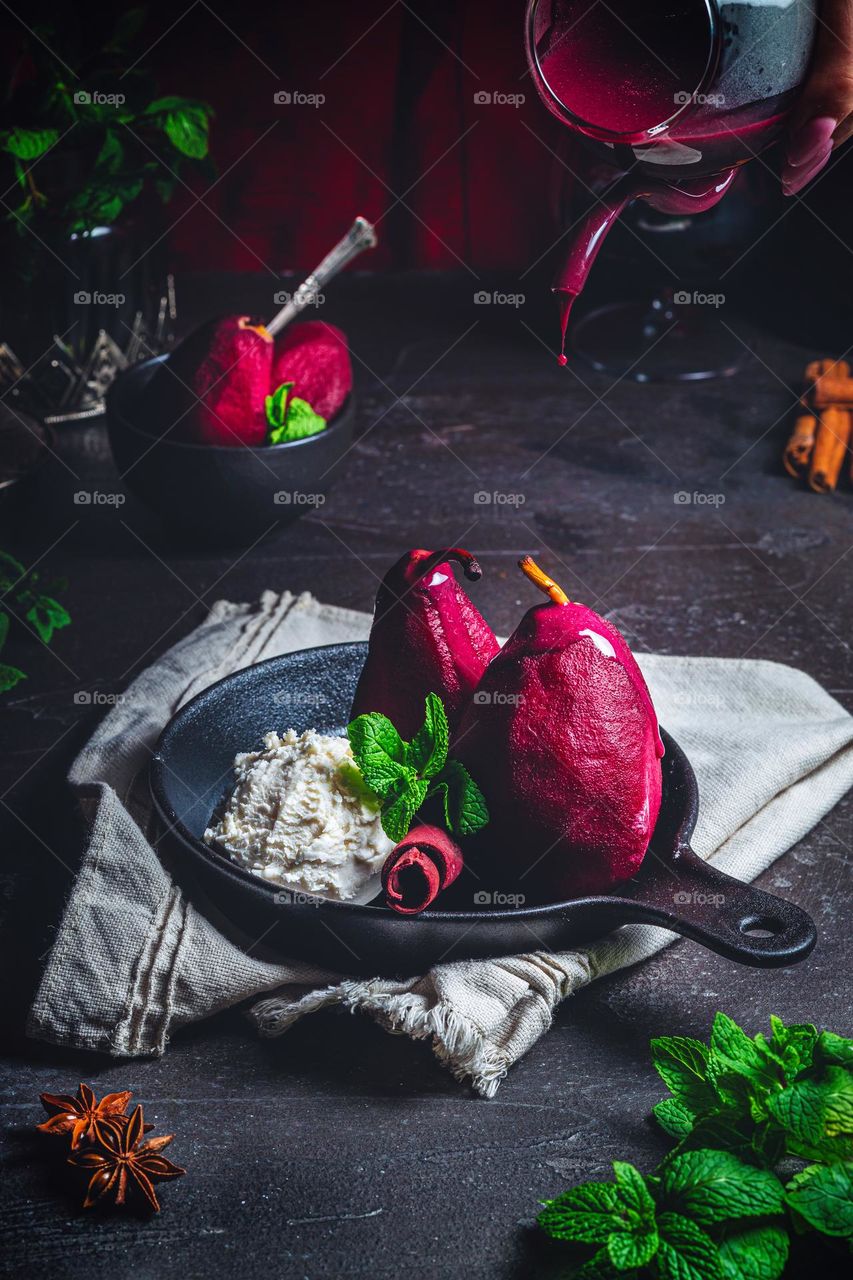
(674, 1117)
(682, 1064)
(734, 1049)
(685, 1252)
(754, 1252)
(838, 1094)
(9, 677)
(301, 421)
(47, 615)
(427, 752)
(4, 628)
(402, 801)
(275, 407)
(379, 752)
(801, 1110)
(586, 1214)
(795, 1043)
(599, 1267)
(823, 1195)
(634, 1241)
(633, 1192)
(465, 808)
(629, 1250)
(833, 1048)
(711, 1186)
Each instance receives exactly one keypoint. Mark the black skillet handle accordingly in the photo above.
(735, 919)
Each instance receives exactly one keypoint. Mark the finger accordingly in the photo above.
(843, 132)
(819, 121)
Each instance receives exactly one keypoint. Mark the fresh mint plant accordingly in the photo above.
(406, 775)
(24, 597)
(724, 1203)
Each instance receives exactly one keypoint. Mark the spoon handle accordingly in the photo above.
(361, 236)
(735, 919)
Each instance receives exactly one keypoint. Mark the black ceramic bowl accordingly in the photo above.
(220, 491)
(191, 774)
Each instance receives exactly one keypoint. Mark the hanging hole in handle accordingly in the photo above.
(761, 926)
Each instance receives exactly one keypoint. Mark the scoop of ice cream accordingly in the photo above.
(300, 817)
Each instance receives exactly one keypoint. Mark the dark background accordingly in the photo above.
(339, 1150)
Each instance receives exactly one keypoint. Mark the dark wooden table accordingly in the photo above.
(339, 1150)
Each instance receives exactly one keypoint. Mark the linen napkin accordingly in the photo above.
(134, 959)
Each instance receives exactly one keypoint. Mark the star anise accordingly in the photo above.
(118, 1163)
(83, 1116)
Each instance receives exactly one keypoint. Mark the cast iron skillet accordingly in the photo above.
(191, 773)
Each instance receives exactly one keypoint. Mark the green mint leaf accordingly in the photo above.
(9, 677)
(682, 1064)
(712, 1186)
(47, 615)
(379, 752)
(587, 1214)
(28, 144)
(301, 420)
(754, 1252)
(427, 752)
(837, 1150)
(628, 1251)
(4, 628)
(465, 807)
(275, 407)
(402, 801)
(731, 1044)
(685, 1252)
(833, 1048)
(838, 1097)
(634, 1194)
(795, 1043)
(810, 1110)
(729, 1128)
(823, 1195)
(674, 1118)
(599, 1267)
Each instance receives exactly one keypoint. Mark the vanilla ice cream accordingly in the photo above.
(300, 816)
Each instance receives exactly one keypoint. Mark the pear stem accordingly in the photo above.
(539, 578)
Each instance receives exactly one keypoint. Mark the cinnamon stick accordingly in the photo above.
(829, 382)
(798, 450)
(830, 446)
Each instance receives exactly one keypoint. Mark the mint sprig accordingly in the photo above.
(716, 1207)
(290, 417)
(405, 775)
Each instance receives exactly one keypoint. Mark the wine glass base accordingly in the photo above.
(660, 341)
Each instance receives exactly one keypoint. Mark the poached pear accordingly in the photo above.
(563, 739)
(217, 381)
(427, 637)
(314, 356)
